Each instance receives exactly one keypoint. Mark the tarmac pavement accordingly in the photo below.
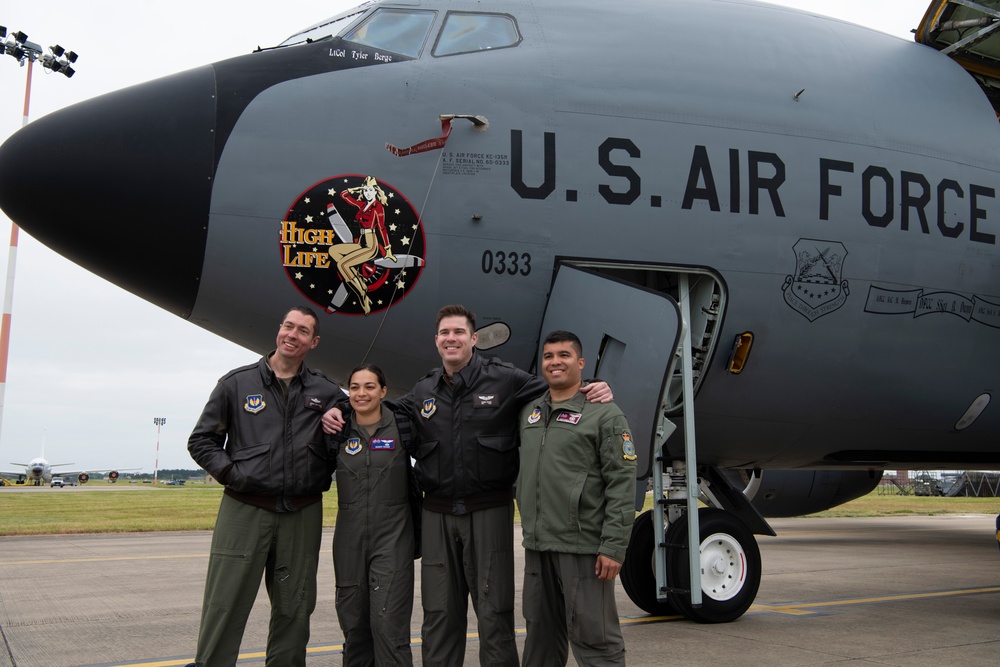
(900, 591)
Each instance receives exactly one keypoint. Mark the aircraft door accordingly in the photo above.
(630, 336)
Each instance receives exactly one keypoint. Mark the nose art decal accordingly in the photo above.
(352, 244)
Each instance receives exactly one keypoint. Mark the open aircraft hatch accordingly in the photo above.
(968, 32)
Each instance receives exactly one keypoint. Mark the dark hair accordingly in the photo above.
(309, 312)
(371, 368)
(456, 310)
(560, 336)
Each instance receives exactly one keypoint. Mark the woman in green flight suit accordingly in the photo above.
(374, 543)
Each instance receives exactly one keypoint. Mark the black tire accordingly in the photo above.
(730, 564)
(637, 575)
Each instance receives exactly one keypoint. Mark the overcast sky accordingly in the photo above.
(91, 365)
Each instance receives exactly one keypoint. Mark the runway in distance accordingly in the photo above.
(39, 471)
(812, 203)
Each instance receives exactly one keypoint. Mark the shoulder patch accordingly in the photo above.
(628, 447)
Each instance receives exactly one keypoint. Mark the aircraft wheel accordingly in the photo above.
(638, 575)
(730, 567)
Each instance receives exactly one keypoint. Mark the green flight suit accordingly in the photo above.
(576, 494)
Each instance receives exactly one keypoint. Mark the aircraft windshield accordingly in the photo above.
(326, 29)
(405, 31)
(465, 33)
(399, 30)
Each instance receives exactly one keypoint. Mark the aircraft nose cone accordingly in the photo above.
(80, 180)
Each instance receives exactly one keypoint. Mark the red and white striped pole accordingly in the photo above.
(59, 60)
(8, 294)
(27, 94)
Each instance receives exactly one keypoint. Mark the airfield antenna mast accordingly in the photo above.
(159, 421)
(58, 60)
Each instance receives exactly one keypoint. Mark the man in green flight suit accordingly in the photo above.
(575, 493)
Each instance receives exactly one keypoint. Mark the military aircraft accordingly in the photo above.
(770, 228)
(39, 471)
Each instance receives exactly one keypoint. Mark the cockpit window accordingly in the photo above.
(466, 32)
(326, 29)
(399, 30)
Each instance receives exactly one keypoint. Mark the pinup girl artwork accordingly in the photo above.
(372, 240)
(352, 244)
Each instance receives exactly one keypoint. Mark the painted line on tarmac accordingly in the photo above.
(98, 559)
(102, 559)
(804, 608)
(800, 609)
(334, 649)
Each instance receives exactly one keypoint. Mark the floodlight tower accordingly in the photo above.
(17, 46)
(159, 421)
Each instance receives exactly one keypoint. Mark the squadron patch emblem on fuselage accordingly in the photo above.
(817, 287)
(352, 244)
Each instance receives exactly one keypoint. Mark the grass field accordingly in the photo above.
(48, 511)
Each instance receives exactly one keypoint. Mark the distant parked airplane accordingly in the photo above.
(38, 471)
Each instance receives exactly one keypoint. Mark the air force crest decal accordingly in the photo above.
(429, 408)
(818, 287)
(255, 403)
